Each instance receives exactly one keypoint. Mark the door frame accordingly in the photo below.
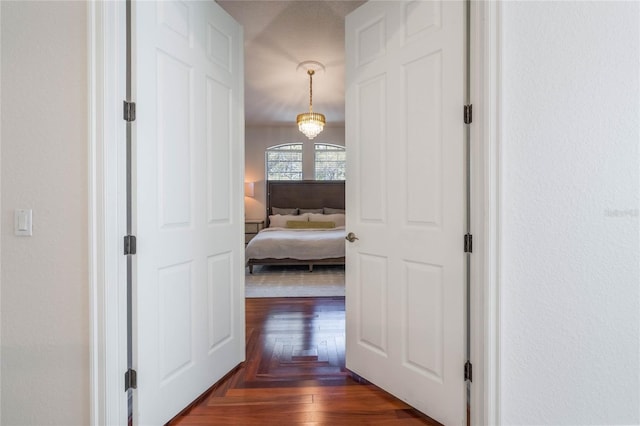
(106, 171)
(106, 36)
(486, 202)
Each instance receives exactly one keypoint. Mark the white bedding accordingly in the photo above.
(301, 244)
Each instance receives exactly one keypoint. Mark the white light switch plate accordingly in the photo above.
(24, 222)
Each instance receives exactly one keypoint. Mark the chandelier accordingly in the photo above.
(310, 123)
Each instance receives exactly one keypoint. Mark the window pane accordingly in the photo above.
(330, 162)
(284, 162)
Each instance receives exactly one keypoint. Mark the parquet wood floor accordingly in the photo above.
(295, 374)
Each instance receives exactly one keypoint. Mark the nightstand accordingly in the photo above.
(251, 228)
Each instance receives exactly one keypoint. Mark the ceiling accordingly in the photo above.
(278, 35)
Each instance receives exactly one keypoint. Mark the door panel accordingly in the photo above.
(188, 187)
(405, 197)
(371, 98)
(372, 313)
(173, 96)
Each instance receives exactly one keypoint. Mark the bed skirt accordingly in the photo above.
(310, 262)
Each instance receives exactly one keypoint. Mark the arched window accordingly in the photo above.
(284, 162)
(330, 162)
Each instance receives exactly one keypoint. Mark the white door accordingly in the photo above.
(405, 201)
(188, 197)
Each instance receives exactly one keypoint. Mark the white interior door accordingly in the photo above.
(188, 197)
(405, 197)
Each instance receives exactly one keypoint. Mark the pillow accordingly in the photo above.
(300, 224)
(310, 211)
(337, 218)
(329, 210)
(280, 220)
(277, 210)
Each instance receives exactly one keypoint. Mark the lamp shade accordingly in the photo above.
(248, 189)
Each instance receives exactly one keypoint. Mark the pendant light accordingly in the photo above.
(310, 123)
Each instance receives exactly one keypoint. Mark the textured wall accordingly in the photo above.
(44, 281)
(571, 283)
(259, 138)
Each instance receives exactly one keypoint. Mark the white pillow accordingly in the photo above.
(280, 220)
(338, 218)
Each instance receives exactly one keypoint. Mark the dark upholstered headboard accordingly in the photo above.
(305, 194)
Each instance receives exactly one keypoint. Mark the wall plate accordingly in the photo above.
(23, 224)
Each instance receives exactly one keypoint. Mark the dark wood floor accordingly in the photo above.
(295, 374)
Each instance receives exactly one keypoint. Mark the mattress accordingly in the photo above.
(299, 244)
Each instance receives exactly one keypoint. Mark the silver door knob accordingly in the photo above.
(351, 237)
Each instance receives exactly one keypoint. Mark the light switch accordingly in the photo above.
(23, 222)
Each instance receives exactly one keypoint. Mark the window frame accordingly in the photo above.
(276, 148)
(333, 148)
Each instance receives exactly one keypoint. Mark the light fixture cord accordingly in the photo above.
(310, 72)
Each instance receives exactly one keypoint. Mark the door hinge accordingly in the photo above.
(468, 114)
(130, 380)
(468, 371)
(129, 244)
(129, 111)
(468, 243)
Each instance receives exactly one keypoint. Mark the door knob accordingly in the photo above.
(351, 237)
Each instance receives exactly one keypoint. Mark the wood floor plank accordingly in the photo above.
(259, 400)
(354, 389)
(295, 374)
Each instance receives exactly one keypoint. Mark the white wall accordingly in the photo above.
(259, 138)
(570, 239)
(44, 279)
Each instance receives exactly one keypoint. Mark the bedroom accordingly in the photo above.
(278, 36)
(279, 257)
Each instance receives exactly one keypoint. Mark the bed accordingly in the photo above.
(287, 239)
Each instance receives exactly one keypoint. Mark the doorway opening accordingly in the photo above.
(112, 319)
(301, 253)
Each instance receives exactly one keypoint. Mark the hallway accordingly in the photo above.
(295, 374)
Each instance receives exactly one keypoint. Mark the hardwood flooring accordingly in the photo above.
(295, 374)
